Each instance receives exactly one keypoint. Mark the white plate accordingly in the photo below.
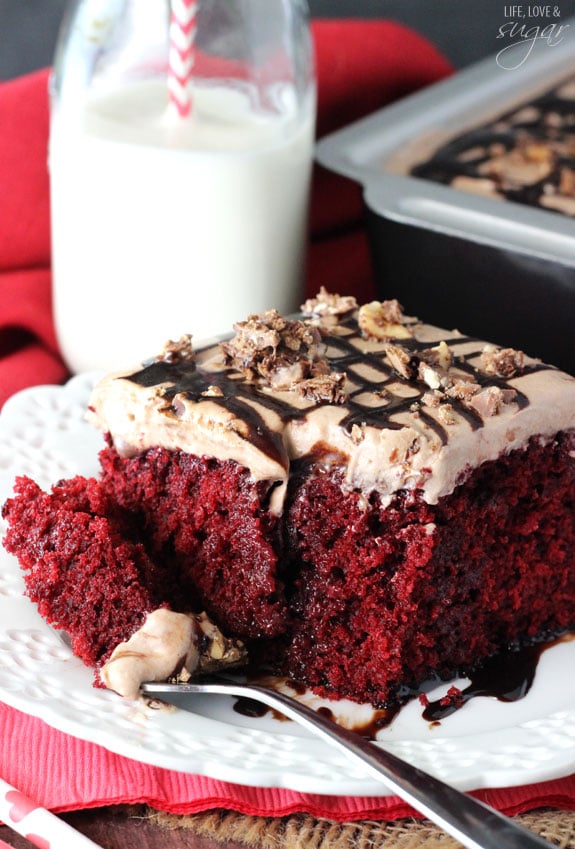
(486, 744)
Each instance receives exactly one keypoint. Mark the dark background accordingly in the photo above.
(464, 30)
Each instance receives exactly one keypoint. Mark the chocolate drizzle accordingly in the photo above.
(184, 380)
(245, 399)
(507, 676)
(379, 416)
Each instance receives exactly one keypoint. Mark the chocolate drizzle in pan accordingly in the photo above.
(526, 155)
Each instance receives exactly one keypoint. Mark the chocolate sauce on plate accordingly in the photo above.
(507, 677)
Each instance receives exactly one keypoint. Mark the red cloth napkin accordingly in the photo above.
(68, 774)
(361, 66)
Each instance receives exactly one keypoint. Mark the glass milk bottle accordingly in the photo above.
(180, 156)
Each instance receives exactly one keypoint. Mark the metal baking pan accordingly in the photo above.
(493, 268)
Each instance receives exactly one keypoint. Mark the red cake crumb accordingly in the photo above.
(453, 697)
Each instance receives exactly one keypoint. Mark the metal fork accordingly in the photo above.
(474, 824)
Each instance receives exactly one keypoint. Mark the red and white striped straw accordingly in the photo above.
(36, 824)
(181, 59)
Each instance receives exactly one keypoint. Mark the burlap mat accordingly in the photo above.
(305, 832)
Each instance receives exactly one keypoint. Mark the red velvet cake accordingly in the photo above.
(364, 500)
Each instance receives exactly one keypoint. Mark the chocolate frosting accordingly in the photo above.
(407, 418)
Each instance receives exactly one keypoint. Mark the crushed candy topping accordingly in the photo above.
(401, 361)
(284, 354)
(446, 415)
(324, 387)
(327, 304)
(433, 367)
(502, 362)
(181, 351)
(487, 402)
(213, 392)
(288, 355)
(462, 390)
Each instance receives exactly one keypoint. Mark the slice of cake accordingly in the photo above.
(364, 500)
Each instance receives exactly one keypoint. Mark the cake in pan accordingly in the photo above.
(526, 155)
(362, 500)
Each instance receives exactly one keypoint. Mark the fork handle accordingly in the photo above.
(474, 824)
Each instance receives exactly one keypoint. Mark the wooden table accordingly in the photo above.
(117, 828)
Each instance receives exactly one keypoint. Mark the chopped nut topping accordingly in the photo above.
(217, 649)
(169, 646)
(181, 351)
(433, 377)
(502, 362)
(432, 399)
(434, 365)
(285, 355)
(327, 304)
(441, 356)
(383, 320)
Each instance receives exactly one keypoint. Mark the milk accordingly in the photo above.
(162, 227)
